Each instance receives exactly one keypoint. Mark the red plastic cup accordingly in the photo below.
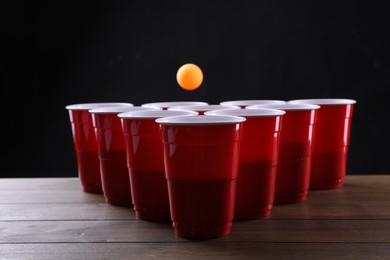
(85, 144)
(201, 109)
(112, 153)
(145, 161)
(201, 161)
(258, 159)
(245, 103)
(295, 151)
(331, 142)
(166, 105)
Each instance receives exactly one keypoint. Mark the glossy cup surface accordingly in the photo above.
(295, 151)
(258, 159)
(201, 160)
(145, 161)
(85, 143)
(112, 153)
(331, 141)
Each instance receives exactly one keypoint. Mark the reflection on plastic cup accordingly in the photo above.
(145, 161)
(295, 151)
(201, 160)
(258, 159)
(112, 153)
(85, 144)
(331, 141)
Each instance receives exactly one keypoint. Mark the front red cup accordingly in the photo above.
(85, 144)
(145, 161)
(295, 151)
(112, 153)
(258, 159)
(331, 142)
(201, 160)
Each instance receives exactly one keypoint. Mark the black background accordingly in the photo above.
(57, 53)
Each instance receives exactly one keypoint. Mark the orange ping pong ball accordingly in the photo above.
(189, 76)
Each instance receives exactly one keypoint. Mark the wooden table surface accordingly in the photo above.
(52, 218)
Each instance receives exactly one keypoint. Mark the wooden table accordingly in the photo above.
(51, 218)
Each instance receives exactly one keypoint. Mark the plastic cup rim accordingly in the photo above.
(89, 106)
(154, 114)
(248, 102)
(323, 101)
(120, 109)
(200, 120)
(261, 112)
(204, 107)
(173, 103)
(287, 106)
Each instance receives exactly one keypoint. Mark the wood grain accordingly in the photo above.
(286, 231)
(49, 196)
(40, 184)
(64, 211)
(52, 218)
(201, 250)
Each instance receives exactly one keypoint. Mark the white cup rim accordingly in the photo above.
(200, 120)
(154, 114)
(261, 112)
(287, 106)
(323, 101)
(88, 106)
(203, 107)
(119, 109)
(173, 103)
(249, 102)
